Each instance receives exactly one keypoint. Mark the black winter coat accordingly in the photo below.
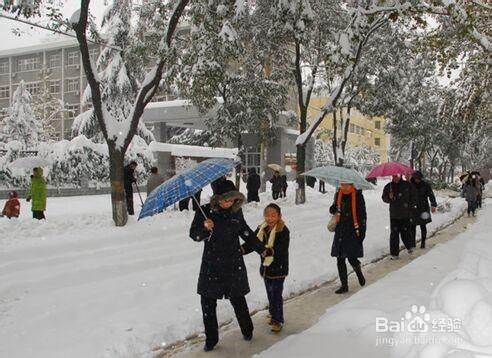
(346, 243)
(129, 179)
(424, 194)
(277, 183)
(254, 183)
(280, 266)
(404, 202)
(223, 272)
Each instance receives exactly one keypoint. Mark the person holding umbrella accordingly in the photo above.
(349, 209)
(424, 194)
(400, 196)
(223, 272)
(277, 185)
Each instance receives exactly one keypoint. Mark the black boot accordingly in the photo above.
(422, 243)
(342, 273)
(360, 276)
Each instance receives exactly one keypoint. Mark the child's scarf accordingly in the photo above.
(353, 195)
(271, 240)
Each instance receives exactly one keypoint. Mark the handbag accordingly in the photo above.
(332, 223)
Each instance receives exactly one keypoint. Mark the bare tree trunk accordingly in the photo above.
(116, 175)
(239, 167)
(334, 142)
(301, 168)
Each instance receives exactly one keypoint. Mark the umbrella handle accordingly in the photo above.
(199, 207)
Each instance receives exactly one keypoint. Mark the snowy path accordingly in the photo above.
(304, 311)
(75, 286)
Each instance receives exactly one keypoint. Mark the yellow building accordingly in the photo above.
(362, 129)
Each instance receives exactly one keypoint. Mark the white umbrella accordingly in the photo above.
(275, 167)
(29, 163)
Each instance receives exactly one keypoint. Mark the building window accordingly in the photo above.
(377, 124)
(28, 64)
(251, 158)
(55, 60)
(4, 92)
(377, 141)
(54, 86)
(34, 88)
(4, 68)
(73, 85)
(72, 110)
(73, 58)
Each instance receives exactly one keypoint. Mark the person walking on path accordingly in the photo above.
(129, 180)
(274, 269)
(155, 179)
(400, 196)
(37, 193)
(12, 206)
(223, 272)
(277, 185)
(422, 215)
(322, 187)
(350, 210)
(284, 186)
(253, 185)
(470, 193)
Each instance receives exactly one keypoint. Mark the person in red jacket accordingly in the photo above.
(12, 206)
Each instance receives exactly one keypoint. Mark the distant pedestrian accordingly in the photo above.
(310, 181)
(277, 185)
(223, 272)
(350, 210)
(37, 193)
(274, 269)
(481, 185)
(284, 186)
(422, 214)
(400, 195)
(471, 194)
(129, 180)
(253, 185)
(155, 179)
(322, 187)
(12, 206)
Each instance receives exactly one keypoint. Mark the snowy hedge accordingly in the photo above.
(74, 163)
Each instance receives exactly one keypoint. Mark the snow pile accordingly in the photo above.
(76, 286)
(438, 306)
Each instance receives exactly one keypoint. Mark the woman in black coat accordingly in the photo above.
(350, 210)
(223, 272)
(422, 216)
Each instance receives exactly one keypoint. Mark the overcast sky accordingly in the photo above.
(35, 35)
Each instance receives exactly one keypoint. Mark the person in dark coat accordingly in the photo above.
(129, 179)
(350, 209)
(274, 269)
(471, 193)
(400, 195)
(422, 215)
(253, 185)
(310, 181)
(284, 186)
(223, 272)
(322, 187)
(276, 181)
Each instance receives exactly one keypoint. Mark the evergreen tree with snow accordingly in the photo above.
(119, 76)
(21, 123)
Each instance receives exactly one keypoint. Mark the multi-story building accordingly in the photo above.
(56, 66)
(362, 129)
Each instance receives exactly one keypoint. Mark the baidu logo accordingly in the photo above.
(414, 321)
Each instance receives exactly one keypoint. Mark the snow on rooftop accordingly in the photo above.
(179, 150)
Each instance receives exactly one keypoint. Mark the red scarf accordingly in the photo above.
(353, 194)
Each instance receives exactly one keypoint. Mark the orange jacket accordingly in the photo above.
(11, 208)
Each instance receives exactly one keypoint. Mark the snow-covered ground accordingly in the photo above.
(75, 286)
(440, 305)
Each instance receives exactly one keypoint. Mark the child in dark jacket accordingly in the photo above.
(12, 206)
(274, 269)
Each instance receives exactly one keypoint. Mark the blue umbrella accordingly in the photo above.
(337, 175)
(185, 184)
